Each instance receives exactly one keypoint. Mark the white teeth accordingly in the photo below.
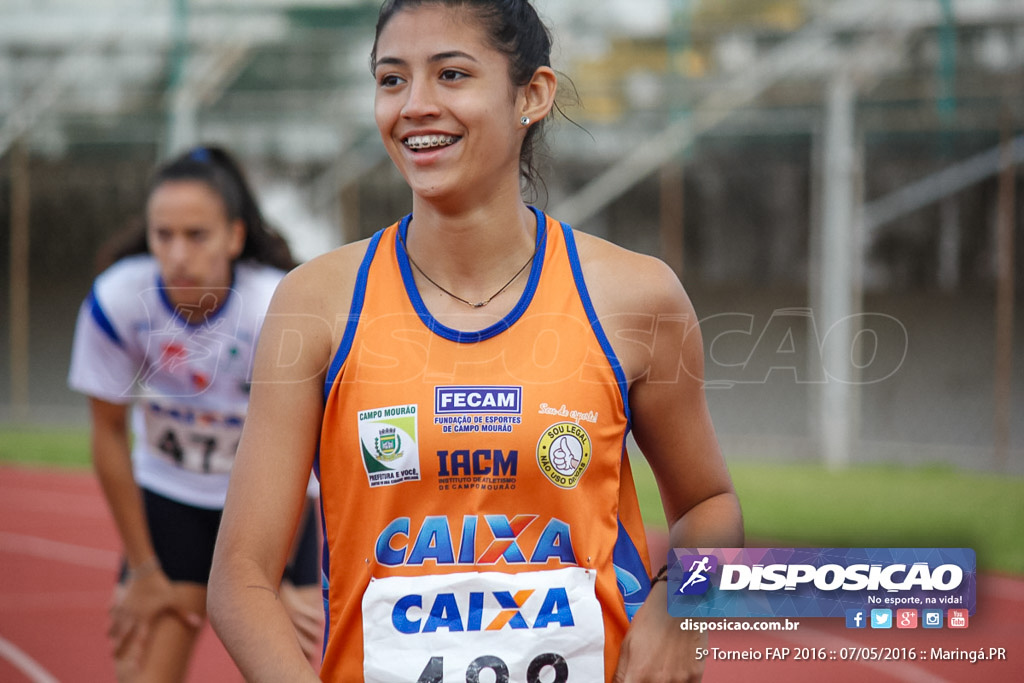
(428, 141)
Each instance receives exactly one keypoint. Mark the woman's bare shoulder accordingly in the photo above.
(324, 284)
(621, 281)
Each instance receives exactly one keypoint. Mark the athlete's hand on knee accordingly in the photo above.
(655, 650)
(136, 606)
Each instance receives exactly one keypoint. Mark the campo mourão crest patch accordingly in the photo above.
(389, 443)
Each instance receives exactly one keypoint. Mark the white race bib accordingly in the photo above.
(478, 627)
(201, 441)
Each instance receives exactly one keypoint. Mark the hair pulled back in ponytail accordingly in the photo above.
(216, 168)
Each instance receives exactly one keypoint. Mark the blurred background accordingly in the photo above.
(838, 184)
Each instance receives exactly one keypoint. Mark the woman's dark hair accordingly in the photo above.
(215, 167)
(516, 31)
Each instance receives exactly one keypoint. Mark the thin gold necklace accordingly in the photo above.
(479, 304)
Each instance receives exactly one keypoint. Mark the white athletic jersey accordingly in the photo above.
(188, 383)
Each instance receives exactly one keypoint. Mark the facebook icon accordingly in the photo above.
(856, 618)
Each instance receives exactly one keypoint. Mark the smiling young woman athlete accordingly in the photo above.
(169, 330)
(463, 383)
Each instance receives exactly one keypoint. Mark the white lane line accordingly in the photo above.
(56, 550)
(25, 664)
(904, 671)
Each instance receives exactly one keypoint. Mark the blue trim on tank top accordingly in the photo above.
(99, 316)
(500, 326)
(602, 338)
(630, 573)
(325, 569)
(354, 311)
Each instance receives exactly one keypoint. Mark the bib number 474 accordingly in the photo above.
(434, 671)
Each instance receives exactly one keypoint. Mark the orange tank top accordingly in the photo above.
(477, 504)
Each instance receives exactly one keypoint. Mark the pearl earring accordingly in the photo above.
(525, 120)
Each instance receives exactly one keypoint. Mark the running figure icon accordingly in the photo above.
(697, 573)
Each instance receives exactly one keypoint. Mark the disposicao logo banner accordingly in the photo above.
(817, 582)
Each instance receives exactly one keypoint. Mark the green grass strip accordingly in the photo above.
(58, 447)
(884, 506)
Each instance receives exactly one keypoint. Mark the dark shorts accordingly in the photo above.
(184, 537)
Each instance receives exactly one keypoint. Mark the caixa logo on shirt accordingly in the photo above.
(482, 611)
(445, 543)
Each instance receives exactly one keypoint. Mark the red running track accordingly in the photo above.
(59, 554)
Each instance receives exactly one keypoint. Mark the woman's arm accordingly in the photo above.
(111, 457)
(268, 484)
(654, 330)
(673, 428)
(148, 592)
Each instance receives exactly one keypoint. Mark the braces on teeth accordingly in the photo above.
(425, 141)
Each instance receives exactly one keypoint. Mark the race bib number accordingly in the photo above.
(195, 440)
(484, 626)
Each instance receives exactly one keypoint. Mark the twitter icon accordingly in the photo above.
(881, 618)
